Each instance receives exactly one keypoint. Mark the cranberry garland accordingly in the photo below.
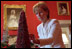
(23, 35)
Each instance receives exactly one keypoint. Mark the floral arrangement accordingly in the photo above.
(6, 45)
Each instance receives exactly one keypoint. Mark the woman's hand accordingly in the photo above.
(32, 37)
(37, 41)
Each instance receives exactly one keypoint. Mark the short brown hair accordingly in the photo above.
(43, 6)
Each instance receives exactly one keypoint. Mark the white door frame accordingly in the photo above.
(65, 28)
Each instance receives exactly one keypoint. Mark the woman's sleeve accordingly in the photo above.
(55, 30)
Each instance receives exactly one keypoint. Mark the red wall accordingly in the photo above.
(53, 10)
(32, 20)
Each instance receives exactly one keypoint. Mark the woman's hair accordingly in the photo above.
(43, 6)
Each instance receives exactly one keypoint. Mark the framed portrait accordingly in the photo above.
(63, 8)
(11, 16)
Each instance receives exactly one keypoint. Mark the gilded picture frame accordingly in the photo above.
(63, 8)
(9, 10)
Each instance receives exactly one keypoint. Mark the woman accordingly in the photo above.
(64, 11)
(49, 31)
